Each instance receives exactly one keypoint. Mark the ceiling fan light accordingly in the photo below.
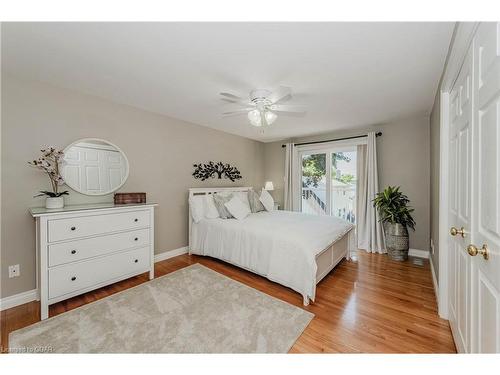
(255, 120)
(270, 117)
(254, 117)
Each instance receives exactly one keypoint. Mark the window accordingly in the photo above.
(328, 180)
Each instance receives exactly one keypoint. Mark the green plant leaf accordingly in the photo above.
(392, 206)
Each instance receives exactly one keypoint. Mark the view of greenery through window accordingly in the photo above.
(342, 187)
(314, 168)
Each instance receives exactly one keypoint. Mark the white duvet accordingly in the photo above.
(280, 245)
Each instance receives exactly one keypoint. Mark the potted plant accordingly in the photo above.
(48, 162)
(395, 214)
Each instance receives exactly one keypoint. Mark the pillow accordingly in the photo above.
(237, 208)
(211, 211)
(255, 203)
(197, 207)
(219, 201)
(267, 200)
(243, 195)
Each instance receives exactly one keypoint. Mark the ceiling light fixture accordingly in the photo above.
(256, 120)
(263, 106)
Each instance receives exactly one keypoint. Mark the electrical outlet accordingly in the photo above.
(14, 271)
(432, 246)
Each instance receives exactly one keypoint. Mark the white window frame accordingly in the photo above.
(320, 148)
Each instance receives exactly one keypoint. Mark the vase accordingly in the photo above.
(396, 241)
(57, 202)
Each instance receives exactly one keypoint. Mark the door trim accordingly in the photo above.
(461, 41)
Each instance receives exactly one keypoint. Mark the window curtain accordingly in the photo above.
(289, 173)
(369, 229)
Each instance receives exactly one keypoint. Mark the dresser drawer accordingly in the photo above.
(75, 250)
(72, 277)
(65, 229)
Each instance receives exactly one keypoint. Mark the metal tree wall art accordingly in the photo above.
(211, 170)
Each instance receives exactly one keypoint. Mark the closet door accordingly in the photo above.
(484, 249)
(460, 153)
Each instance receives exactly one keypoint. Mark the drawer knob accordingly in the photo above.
(136, 220)
(136, 261)
(73, 251)
(73, 228)
(73, 278)
(136, 239)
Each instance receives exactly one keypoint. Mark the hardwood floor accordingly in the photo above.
(369, 305)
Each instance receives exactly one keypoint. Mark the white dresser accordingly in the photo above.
(81, 248)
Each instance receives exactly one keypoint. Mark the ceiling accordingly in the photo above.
(346, 75)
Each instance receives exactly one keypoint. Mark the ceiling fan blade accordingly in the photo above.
(281, 94)
(231, 96)
(237, 112)
(287, 108)
(237, 102)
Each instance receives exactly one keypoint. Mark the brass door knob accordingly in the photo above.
(473, 251)
(454, 231)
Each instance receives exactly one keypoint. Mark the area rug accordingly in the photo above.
(192, 310)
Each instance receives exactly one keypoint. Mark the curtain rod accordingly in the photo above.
(378, 134)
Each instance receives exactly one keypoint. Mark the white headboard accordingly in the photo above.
(213, 190)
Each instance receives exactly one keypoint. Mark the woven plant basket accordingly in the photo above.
(396, 241)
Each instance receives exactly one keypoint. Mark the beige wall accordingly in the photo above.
(274, 169)
(403, 159)
(435, 124)
(161, 152)
(434, 182)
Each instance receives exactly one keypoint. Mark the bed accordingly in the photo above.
(293, 249)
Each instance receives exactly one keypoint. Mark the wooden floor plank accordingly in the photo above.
(366, 305)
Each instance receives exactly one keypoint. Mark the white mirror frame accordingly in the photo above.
(109, 143)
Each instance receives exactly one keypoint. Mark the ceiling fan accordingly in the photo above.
(262, 106)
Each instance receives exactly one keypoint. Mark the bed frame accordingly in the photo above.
(326, 260)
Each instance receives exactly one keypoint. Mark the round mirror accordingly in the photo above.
(94, 166)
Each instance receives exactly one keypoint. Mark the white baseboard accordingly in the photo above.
(171, 253)
(418, 253)
(435, 282)
(31, 295)
(18, 299)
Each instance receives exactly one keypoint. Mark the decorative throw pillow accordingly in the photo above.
(196, 205)
(237, 208)
(220, 201)
(255, 204)
(243, 196)
(267, 200)
(211, 211)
